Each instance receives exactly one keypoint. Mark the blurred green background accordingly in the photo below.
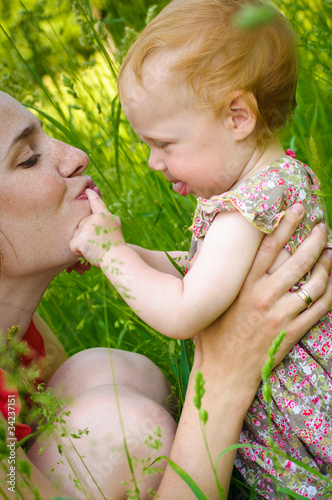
(61, 59)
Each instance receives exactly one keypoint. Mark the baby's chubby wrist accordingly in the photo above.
(110, 261)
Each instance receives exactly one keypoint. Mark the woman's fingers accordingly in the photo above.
(304, 321)
(317, 284)
(314, 288)
(319, 290)
(305, 257)
(274, 242)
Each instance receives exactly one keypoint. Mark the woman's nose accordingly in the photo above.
(73, 161)
(155, 162)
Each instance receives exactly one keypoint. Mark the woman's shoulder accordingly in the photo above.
(52, 345)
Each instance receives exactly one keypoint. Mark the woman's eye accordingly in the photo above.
(30, 162)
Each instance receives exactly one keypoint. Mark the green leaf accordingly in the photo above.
(199, 389)
(253, 491)
(65, 131)
(203, 415)
(25, 467)
(185, 365)
(177, 267)
(252, 16)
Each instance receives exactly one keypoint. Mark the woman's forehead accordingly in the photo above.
(10, 105)
(16, 122)
(14, 117)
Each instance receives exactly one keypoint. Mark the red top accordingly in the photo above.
(36, 352)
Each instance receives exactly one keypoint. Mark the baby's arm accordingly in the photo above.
(175, 307)
(159, 260)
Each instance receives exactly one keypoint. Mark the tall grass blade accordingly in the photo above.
(175, 264)
(253, 491)
(185, 476)
(35, 75)
(290, 494)
(185, 366)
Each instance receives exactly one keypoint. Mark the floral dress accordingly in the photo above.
(301, 407)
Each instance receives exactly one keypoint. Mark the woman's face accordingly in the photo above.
(41, 193)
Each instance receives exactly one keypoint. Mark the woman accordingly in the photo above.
(42, 200)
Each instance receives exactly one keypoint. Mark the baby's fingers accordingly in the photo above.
(99, 207)
(74, 245)
(96, 203)
(79, 238)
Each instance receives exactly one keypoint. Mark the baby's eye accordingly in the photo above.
(161, 145)
(30, 162)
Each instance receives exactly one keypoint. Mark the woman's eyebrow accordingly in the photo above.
(27, 132)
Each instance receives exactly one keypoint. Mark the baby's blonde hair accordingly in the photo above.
(216, 57)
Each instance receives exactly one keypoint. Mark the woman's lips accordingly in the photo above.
(83, 196)
(96, 190)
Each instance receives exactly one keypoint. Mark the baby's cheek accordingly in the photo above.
(283, 256)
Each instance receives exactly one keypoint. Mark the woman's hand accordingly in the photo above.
(97, 233)
(264, 306)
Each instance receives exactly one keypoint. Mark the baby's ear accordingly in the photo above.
(241, 115)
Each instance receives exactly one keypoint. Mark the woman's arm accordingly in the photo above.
(232, 351)
(23, 484)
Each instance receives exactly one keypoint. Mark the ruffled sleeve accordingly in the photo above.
(263, 198)
(263, 210)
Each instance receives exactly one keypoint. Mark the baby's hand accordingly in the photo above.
(97, 233)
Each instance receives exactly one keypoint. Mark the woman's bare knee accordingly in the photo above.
(99, 366)
(99, 457)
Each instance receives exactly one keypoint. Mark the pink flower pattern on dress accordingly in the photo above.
(301, 407)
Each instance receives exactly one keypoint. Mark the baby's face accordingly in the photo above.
(196, 152)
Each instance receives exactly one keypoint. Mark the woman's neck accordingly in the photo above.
(19, 298)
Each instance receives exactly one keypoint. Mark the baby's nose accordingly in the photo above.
(155, 162)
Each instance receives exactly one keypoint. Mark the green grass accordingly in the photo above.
(61, 58)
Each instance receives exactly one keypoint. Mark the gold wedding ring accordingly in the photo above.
(305, 296)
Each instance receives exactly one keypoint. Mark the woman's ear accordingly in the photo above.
(240, 115)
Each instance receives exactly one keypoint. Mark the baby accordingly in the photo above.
(208, 98)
